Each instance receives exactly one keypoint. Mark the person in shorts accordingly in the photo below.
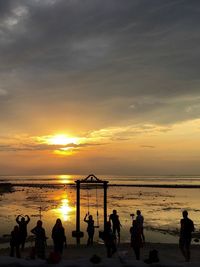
(114, 218)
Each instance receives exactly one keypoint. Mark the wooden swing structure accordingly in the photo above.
(91, 180)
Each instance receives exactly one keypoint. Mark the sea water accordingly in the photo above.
(49, 197)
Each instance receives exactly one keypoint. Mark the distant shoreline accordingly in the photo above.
(109, 185)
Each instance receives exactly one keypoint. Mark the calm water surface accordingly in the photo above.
(161, 207)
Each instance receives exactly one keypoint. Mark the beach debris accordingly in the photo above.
(95, 259)
(54, 258)
(153, 257)
(122, 255)
(6, 188)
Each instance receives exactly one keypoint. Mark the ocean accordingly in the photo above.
(160, 198)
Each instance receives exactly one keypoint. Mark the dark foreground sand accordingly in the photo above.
(74, 256)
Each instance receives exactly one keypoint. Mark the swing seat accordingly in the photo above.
(77, 234)
(101, 235)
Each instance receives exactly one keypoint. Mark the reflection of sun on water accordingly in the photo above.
(64, 204)
(65, 179)
(65, 209)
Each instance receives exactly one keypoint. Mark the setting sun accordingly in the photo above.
(61, 139)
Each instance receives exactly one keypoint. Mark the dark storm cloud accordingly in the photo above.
(145, 53)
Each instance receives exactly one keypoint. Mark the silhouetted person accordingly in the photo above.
(140, 222)
(22, 228)
(136, 238)
(114, 218)
(109, 240)
(15, 242)
(90, 229)
(58, 236)
(187, 227)
(40, 240)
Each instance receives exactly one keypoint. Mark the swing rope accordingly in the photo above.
(88, 199)
(97, 207)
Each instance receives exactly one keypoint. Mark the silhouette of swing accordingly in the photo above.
(89, 180)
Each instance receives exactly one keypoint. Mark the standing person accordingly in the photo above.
(90, 229)
(140, 222)
(136, 238)
(109, 240)
(187, 227)
(58, 236)
(15, 242)
(22, 228)
(40, 240)
(115, 224)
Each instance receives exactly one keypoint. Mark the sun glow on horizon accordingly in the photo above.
(61, 139)
(62, 144)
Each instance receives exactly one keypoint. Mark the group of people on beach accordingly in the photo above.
(185, 238)
(19, 235)
(110, 235)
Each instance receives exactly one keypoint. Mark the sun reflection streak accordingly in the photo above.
(65, 209)
(65, 178)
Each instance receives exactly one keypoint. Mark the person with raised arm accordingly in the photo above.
(23, 222)
(90, 229)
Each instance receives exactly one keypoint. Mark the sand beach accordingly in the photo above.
(73, 256)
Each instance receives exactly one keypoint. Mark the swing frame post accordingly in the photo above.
(78, 209)
(92, 180)
(105, 186)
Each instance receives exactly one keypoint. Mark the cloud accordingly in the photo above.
(31, 143)
(137, 61)
(147, 146)
(3, 92)
(91, 139)
(126, 133)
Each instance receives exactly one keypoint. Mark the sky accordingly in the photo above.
(98, 86)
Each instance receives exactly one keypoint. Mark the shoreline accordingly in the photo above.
(73, 255)
(54, 185)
